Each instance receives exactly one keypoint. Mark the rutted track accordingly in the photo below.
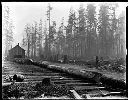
(34, 73)
(88, 86)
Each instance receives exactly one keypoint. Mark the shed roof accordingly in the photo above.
(16, 47)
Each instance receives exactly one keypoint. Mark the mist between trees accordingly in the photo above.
(85, 36)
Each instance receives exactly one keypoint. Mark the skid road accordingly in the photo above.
(36, 74)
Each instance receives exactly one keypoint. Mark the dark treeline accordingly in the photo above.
(88, 34)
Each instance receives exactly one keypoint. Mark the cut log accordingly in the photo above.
(75, 94)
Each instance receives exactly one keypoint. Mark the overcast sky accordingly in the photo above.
(28, 12)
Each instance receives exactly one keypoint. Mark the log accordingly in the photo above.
(75, 94)
(6, 84)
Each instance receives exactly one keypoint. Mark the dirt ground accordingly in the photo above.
(113, 75)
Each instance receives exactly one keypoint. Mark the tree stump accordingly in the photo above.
(46, 82)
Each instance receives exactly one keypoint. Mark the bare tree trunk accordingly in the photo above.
(35, 44)
(119, 47)
(28, 47)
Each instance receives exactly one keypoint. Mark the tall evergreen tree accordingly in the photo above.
(82, 33)
(34, 39)
(91, 30)
(120, 39)
(60, 39)
(7, 29)
(52, 35)
(46, 52)
(112, 29)
(28, 31)
(40, 38)
(102, 28)
(69, 32)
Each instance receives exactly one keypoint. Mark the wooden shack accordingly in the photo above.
(17, 52)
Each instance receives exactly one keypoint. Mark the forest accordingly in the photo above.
(89, 33)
